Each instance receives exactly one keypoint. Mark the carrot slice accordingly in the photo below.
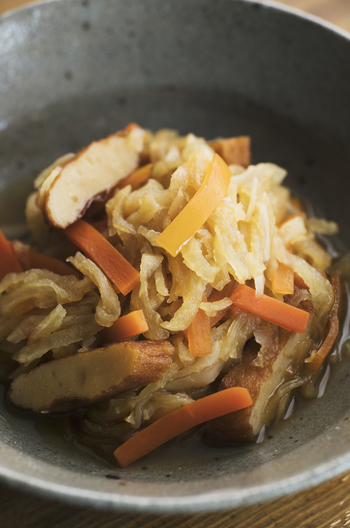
(217, 295)
(30, 259)
(283, 281)
(233, 150)
(270, 309)
(120, 272)
(333, 331)
(36, 260)
(199, 334)
(137, 177)
(9, 262)
(227, 290)
(198, 209)
(129, 325)
(181, 420)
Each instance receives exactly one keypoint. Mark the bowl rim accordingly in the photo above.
(217, 500)
(273, 4)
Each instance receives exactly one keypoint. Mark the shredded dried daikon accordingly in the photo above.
(256, 226)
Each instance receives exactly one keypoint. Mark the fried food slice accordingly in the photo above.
(262, 382)
(235, 151)
(94, 171)
(87, 377)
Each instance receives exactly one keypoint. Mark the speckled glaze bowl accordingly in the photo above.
(75, 70)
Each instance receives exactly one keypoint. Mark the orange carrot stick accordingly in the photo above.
(50, 263)
(283, 281)
(121, 273)
(137, 177)
(199, 334)
(37, 260)
(129, 325)
(233, 150)
(217, 295)
(30, 259)
(181, 420)
(198, 209)
(227, 290)
(327, 344)
(9, 262)
(270, 309)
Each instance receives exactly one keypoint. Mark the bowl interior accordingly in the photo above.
(60, 96)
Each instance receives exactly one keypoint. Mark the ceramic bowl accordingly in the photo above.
(76, 70)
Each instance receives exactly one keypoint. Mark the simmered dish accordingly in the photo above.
(167, 283)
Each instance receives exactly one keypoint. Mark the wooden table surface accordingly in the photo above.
(325, 506)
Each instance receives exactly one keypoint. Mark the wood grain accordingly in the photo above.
(325, 506)
(335, 11)
(6, 5)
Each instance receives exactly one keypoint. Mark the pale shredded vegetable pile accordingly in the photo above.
(256, 227)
